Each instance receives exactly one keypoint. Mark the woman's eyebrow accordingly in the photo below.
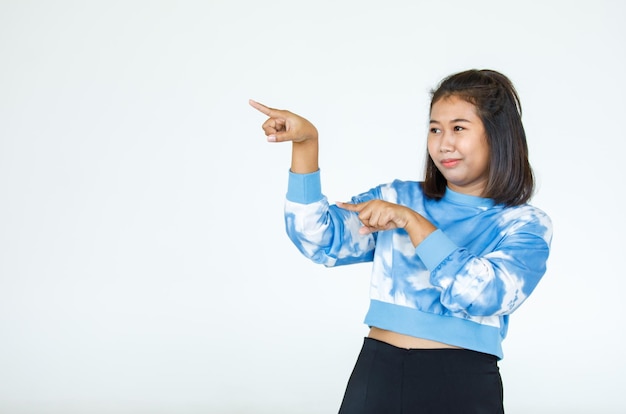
(434, 121)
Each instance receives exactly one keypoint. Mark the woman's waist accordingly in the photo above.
(406, 341)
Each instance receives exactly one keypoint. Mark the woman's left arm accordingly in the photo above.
(495, 283)
(492, 284)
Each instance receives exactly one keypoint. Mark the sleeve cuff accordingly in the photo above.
(436, 247)
(304, 188)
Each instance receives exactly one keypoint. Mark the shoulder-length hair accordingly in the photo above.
(511, 180)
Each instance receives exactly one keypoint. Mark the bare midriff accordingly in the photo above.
(406, 341)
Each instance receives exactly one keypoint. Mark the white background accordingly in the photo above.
(144, 266)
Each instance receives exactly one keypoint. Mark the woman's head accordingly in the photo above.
(509, 178)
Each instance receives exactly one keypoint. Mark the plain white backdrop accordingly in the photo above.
(144, 266)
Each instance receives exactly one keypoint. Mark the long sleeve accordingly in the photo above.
(324, 233)
(498, 281)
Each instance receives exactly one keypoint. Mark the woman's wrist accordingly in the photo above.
(304, 156)
(418, 228)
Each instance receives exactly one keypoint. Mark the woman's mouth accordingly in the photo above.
(450, 162)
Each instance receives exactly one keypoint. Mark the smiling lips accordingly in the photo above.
(450, 162)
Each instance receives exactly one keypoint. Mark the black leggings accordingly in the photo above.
(391, 380)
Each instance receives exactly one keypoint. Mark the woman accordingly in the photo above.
(453, 256)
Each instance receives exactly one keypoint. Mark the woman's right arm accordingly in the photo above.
(325, 234)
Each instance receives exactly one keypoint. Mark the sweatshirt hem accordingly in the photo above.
(447, 329)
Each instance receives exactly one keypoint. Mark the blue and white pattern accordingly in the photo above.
(458, 286)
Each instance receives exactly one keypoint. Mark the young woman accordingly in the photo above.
(453, 256)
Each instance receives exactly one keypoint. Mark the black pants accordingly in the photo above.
(391, 380)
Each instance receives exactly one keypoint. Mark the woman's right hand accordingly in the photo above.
(284, 125)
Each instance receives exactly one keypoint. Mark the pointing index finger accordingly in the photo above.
(347, 206)
(260, 107)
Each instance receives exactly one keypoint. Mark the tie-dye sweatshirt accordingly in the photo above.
(458, 286)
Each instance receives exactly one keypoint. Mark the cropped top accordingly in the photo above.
(458, 286)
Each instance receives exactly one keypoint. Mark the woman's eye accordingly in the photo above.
(434, 130)
(458, 128)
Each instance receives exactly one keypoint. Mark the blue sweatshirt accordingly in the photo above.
(458, 286)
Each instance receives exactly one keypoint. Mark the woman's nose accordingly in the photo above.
(447, 142)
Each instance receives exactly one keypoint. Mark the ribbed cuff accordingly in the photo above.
(304, 188)
(436, 247)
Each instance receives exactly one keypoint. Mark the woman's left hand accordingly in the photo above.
(379, 215)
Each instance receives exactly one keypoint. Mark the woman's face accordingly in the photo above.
(457, 143)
